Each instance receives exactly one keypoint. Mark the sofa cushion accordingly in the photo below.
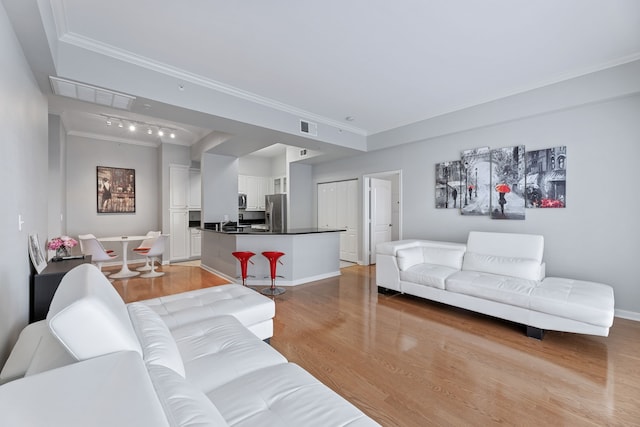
(219, 349)
(184, 405)
(503, 289)
(158, 345)
(284, 395)
(427, 274)
(587, 302)
(88, 316)
(507, 266)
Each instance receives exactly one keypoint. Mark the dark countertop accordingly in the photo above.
(291, 231)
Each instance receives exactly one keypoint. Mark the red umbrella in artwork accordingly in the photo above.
(503, 188)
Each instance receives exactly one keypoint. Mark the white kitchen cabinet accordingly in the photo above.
(179, 234)
(178, 186)
(256, 188)
(195, 189)
(242, 184)
(338, 208)
(196, 243)
(280, 184)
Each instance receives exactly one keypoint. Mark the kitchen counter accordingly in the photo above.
(293, 231)
(310, 254)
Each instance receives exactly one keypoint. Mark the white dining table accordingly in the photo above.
(124, 271)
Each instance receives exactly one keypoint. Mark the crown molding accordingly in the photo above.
(186, 76)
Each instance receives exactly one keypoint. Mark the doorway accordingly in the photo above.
(382, 211)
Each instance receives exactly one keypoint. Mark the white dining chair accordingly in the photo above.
(82, 237)
(155, 252)
(144, 246)
(99, 255)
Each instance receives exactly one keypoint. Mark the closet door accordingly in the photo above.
(327, 215)
(347, 218)
(338, 208)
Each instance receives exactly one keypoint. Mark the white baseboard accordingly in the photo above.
(629, 315)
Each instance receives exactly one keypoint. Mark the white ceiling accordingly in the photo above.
(385, 64)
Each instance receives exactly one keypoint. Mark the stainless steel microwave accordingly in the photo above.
(242, 201)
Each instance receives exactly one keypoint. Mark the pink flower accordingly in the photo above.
(58, 242)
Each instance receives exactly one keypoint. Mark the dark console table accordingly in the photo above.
(44, 285)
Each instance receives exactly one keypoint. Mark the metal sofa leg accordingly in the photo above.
(536, 333)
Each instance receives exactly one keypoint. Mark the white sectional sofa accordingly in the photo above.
(498, 274)
(95, 361)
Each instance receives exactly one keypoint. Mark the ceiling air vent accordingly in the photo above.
(308, 128)
(92, 94)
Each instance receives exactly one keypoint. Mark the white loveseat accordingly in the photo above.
(498, 274)
(98, 362)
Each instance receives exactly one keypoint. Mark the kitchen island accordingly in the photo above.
(310, 254)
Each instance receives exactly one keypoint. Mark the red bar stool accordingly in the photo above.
(273, 258)
(243, 257)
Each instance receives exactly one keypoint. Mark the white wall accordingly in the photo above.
(219, 187)
(300, 198)
(254, 166)
(83, 157)
(595, 238)
(57, 181)
(23, 120)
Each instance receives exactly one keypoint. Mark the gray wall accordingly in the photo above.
(595, 238)
(23, 120)
(83, 156)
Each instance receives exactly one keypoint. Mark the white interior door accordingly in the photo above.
(380, 214)
(347, 218)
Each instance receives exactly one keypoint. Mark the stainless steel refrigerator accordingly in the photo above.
(275, 213)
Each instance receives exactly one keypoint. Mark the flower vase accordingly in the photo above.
(62, 251)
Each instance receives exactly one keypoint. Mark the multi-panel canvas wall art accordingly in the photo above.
(476, 175)
(507, 182)
(546, 178)
(448, 185)
(116, 191)
(503, 182)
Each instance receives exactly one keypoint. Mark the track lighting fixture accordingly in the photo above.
(133, 126)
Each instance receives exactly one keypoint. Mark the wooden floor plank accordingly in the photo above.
(410, 362)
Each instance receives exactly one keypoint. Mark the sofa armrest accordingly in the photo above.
(391, 248)
(23, 351)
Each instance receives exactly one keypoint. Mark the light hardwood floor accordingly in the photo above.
(410, 362)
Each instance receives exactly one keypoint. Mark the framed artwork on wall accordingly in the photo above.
(116, 190)
(36, 254)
